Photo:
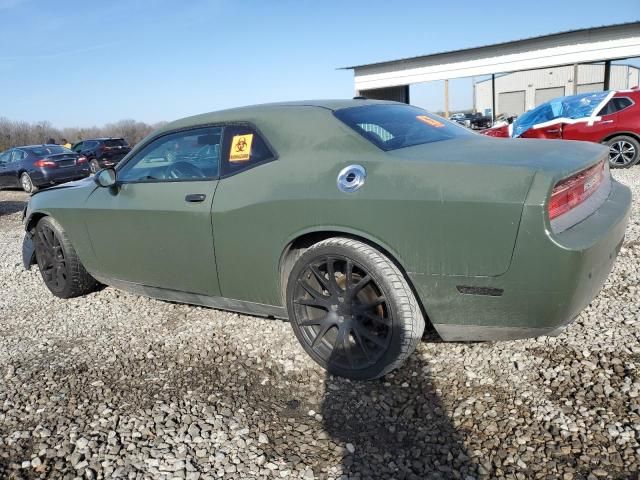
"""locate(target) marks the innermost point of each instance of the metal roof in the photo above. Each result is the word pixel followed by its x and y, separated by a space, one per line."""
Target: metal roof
pixel 499 44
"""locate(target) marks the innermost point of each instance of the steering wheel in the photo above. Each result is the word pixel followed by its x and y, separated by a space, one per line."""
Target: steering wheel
pixel 183 170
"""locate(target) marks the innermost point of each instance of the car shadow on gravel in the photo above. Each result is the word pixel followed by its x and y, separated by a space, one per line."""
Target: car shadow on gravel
pixel 10 207
pixel 395 427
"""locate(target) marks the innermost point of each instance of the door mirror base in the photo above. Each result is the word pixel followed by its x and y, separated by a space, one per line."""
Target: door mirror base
pixel 105 178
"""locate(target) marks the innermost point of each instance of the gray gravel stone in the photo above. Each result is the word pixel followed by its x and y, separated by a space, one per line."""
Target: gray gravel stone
pixel 114 385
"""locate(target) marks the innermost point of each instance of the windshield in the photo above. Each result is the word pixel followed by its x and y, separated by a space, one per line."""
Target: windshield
pixel 50 150
pixel 571 107
pixel 397 126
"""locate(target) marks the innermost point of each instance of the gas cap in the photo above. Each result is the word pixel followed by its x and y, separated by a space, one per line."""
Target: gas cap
pixel 351 178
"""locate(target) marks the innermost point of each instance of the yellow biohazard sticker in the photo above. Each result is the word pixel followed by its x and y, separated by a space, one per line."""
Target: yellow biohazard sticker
pixel 241 148
pixel 430 121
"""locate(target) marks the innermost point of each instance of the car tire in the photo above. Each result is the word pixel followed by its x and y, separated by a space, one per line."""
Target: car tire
pixel 624 151
pixel 94 166
pixel 59 265
pixel 352 309
pixel 27 183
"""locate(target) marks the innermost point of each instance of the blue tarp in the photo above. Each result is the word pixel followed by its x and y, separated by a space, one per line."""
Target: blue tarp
pixel 572 107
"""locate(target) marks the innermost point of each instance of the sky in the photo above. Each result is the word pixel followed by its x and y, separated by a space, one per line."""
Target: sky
pixel 83 63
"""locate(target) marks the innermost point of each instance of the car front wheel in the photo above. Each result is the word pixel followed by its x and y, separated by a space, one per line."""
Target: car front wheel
pixel 352 309
pixel 624 151
pixel 61 269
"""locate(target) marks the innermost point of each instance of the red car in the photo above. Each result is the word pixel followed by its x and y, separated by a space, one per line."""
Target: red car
pixel 612 118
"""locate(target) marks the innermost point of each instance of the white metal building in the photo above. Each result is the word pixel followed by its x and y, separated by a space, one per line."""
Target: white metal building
pixel 391 79
pixel 520 91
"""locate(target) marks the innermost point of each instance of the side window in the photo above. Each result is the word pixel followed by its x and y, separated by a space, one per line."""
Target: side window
pixel 5 157
pixel 615 105
pixel 188 155
pixel 77 147
pixel 17 156
pixel 243 148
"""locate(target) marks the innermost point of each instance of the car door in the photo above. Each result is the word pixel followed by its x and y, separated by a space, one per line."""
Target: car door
pixel 154 228
pixel 604 124
pixel 5 175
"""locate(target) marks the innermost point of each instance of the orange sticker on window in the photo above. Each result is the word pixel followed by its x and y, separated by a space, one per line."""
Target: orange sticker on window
pixel 430 121
pixel 241 148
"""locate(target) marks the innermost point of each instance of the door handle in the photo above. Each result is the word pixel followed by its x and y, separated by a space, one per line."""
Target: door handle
pixel 195 197
pixel 552 130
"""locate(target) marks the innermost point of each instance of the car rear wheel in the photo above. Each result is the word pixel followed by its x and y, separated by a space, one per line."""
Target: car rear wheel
pixel 624 151
pixel 352 309
pixel 27 184
pixel 61 269
pixel 94 166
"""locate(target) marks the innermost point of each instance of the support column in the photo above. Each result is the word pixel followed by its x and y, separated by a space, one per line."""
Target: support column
pixel 607 74
pixel 493 97
pixel 575 78
pixel 446 98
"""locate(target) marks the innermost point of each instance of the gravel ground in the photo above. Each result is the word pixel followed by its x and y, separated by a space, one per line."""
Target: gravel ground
pixel 114 385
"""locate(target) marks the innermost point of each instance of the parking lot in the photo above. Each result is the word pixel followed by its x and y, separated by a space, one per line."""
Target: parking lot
pixel 113 385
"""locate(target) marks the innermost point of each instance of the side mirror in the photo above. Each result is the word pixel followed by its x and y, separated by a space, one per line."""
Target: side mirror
pixel 106 177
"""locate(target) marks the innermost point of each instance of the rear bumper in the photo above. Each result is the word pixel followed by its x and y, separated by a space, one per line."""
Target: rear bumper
pixel 552 278
pixel 42 177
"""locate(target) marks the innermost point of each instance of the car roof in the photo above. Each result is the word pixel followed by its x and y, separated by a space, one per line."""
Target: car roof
pixel 99 139
pixel 269 109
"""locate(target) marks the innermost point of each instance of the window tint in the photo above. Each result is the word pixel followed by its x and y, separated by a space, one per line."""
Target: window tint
pixel 243 148
pixel 397 126
pixel 18 156
pixel 189 155
pixel 615 105
pixel 49 150
pixel 115 142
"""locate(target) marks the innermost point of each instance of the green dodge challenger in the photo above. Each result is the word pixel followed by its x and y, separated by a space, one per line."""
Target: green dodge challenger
pixel 358 220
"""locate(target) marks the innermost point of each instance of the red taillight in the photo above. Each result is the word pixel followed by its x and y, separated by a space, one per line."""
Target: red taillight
pixel 44 163
pixel 574 190
pixel 81 160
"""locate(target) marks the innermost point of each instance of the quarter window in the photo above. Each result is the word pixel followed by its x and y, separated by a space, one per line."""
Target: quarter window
pixel 243 148
pixel 188 155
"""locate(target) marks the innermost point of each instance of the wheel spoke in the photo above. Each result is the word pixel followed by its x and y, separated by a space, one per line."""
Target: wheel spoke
pixel 312 291
pixel 361 344
pixel 333 284
pixel 312 302
pixel 371 337
pixel 368 306
pixel 313 322
pixel 321 278
pixel 377 318
pixel 360 285
pixel 323 331
pixel 349 274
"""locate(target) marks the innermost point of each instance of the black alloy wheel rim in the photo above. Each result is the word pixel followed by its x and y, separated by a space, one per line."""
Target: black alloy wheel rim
pixel 342 313
pixel 621 153
pixel 51 259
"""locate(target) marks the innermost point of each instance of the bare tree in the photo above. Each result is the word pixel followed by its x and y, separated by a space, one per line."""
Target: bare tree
pixel 16 133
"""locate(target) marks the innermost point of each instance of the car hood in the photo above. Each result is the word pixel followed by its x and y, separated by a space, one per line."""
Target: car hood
pixel 87 182
pixel 556 157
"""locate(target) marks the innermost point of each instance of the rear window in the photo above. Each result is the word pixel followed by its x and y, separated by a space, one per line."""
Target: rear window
pixel 397 126
pixel 115 142
pixel 49 150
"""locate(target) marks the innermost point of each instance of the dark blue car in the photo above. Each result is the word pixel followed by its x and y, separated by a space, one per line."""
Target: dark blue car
pixel 35 166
